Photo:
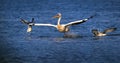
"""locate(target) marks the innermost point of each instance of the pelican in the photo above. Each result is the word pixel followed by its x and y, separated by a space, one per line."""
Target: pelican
pixel 60 27
pixel 104 33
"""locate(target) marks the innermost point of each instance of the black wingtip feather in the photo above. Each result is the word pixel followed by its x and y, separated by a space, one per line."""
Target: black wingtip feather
pixel 32 20
pixel 92 16
pixel 23 21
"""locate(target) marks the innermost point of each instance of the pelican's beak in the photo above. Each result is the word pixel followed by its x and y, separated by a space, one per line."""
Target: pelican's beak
pixel 57 16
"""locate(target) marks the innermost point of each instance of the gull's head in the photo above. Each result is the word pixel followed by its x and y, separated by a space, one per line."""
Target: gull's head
pixel 57 16
pixel 95 32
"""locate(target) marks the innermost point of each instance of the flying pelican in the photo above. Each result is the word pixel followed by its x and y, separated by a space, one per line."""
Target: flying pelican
pixel 60 27
pixel 104 33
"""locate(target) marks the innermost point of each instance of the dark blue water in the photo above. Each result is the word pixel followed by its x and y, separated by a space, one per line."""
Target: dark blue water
pixel 46 44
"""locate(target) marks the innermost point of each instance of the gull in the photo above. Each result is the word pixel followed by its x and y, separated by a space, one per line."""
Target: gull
pixel 60 27
pixel 104 33
pixel 30 24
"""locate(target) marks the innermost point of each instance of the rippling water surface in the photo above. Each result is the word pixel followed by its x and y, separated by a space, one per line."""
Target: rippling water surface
pixel 46 44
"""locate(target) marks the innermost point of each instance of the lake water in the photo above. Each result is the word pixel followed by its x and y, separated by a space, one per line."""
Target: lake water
pixel 46 44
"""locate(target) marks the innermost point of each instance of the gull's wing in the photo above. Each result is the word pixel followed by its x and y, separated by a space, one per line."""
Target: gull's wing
pixel 29 29
pixel 24 21
pixel 32 20
pixel 109 30
pixel 40 24
pixel 78 21
pixel 30 24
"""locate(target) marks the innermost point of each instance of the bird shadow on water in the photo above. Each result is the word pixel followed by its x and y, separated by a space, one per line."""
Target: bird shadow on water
pixel 71 35
pixel 68 37
pixel 97 38
pixel 65 37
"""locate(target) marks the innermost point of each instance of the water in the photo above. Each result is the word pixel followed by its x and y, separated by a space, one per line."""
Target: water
pixel 46 44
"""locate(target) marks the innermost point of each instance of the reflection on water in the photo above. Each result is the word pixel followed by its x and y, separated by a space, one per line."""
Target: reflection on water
pixel 71 35
pixel 60 39
pixel 97 38
pixel 63 38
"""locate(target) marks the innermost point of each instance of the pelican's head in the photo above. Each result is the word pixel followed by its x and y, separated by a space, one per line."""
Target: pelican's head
pixel 57 16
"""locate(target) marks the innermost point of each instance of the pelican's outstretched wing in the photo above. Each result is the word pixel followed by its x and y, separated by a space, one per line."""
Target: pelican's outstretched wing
pixel 78 21
pixel 40 24
pixel 109 30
